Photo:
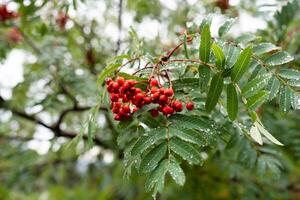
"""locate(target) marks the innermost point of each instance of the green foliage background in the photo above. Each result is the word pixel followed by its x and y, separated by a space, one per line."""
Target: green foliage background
pixel 63 83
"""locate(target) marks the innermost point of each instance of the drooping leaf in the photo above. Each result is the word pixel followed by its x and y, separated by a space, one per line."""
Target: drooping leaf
pixel 255 85
pixel 176 172
pixel 285 99
pixel 255 134
pixel 295 100
pixel 279 58
pixel 205 44
pixel 232 102
pixel 186 151
pixel 241 64
pixel 225 27
pixel 150 161
pixel 157 177
pixel 257 99
pixel 273 86
pixel 220 58
pixel 214 92
pixel 263 48
pixel 246 38
pixel 144 142
pixel 268 135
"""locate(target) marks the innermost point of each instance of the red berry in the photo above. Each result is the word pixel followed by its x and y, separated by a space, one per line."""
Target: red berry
pixel 153 82
pixel 162 90
pixel 153 90
pixel 131 82
pixel 117 104
pixel 115 86
pixel 167 110
pixel 117 117
pixel 147 100
pixel 169 92
pixel 138 90
pixel 163 99
pixel 114 97
pixel 126 109
pixel 120 81
pixel 155 96
pixel 190 105
pixel 135 109
pixel 108 81
pixel 115 110
pixel 139 96
pixel 177 105
pixel 154 113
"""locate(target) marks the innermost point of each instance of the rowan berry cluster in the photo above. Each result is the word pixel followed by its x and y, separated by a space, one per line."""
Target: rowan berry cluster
pixel 126 98
pixel 5 14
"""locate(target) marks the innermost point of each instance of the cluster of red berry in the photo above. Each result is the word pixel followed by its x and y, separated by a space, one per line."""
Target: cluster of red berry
pixel 5 14
pixel 127 99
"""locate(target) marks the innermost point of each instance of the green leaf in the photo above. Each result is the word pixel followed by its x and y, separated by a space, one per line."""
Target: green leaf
pixel 129 76
pixel 186 151
pixel 188 135
pixel 255 85
pixel 204 76
pixel 247 156
pixel 294 83
pixel 107 71
pixel 268 135
pixel 295 100
pixel 285 99
pixel 214 92
pixel 196 122
pixel 185 82
pixel 289 74
pixel 232 55
pixel 232 102
pixel 224 28
pixel 176 172
pixel 246 38
pixel 220 58
pixel 241 64
pixel 150 161
pixel 279 58
pixel 255 134
pixel 186 53
pixel 257 99
pixel 145 142
pixel 263 48
pixel 205 44
pixel 157 177
pixel 273 87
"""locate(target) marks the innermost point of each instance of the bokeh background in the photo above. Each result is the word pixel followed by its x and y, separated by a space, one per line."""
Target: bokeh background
pixel 50 56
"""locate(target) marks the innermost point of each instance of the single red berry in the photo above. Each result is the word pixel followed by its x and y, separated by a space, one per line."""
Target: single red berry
pixel 118 117
pixel 177 105
pixel 153 82
pixel 117 104
pixel 137 90
pixel 115 86
pixel 162 90
pixel 190 105
pixel 114 97
pixel 163 99
pixel 167 110
pixel 126 109
pixel 131 82
pixel 147 100
pixel 153 90
pixel 155 96
pixel 115 110
pixel 108 81
pixel 139 96
pixel 154 112
pixel 169 92
pixel 120 81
